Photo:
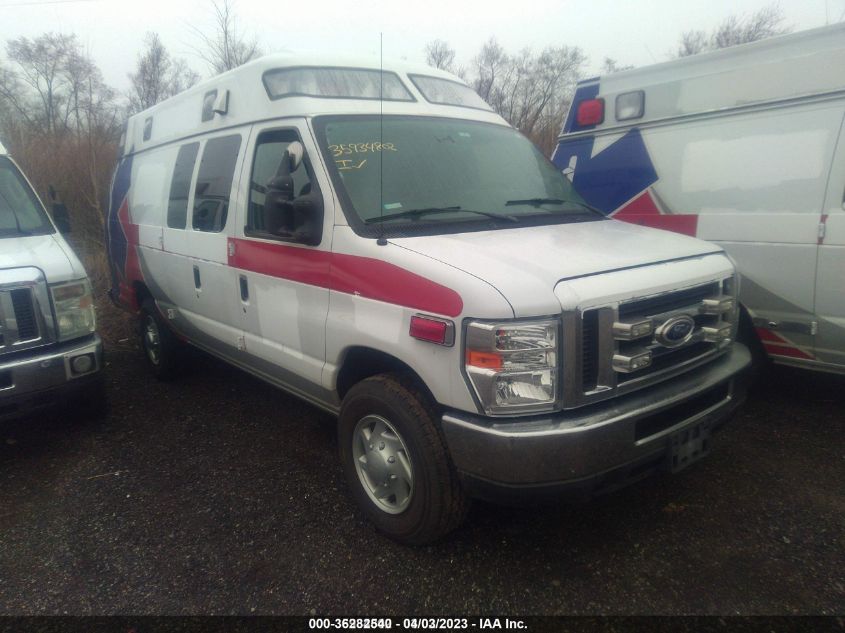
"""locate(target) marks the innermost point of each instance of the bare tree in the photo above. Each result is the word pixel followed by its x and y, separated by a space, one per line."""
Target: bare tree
pixel 226 48
pixel 487 66
pixel 440 55
pixel 530 91
pixel 61 121
pixel 37 90
pixel 767 22
pixel 692 43
pixel 157 76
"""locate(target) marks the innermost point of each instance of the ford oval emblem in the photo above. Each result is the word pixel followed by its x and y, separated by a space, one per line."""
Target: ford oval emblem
pixel 675 331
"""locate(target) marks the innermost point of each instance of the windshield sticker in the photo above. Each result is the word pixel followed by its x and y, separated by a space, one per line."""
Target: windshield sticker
pixel 393 205
pixel 346 164
pixel 361 148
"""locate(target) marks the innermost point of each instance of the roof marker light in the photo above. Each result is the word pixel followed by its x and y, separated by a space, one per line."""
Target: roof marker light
pixel 590 112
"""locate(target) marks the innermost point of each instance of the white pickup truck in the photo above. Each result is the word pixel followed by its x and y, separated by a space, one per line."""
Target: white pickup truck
pixel 49 351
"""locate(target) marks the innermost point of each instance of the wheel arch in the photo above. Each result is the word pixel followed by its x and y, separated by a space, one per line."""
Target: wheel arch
pixel 360 362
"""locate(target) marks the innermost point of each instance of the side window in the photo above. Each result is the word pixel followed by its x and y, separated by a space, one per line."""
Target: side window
pixel 267 164
pixel 214 183
pixel 180 186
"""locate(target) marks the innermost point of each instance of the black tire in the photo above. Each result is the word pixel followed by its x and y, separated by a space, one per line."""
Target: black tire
pixel 437 503
pixel 164 353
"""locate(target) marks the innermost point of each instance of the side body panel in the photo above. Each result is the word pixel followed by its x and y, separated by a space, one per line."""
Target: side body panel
pixel 752 181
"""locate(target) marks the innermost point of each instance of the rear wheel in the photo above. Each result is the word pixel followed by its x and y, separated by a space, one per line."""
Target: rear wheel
pixel 160 346
pixel 396 463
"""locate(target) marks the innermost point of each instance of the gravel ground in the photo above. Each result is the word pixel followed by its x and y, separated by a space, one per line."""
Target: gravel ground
pixel 217 494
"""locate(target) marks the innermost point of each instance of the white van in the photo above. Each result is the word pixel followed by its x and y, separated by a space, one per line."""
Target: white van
pixel 49 351
pixel 386 247
pixel 744 147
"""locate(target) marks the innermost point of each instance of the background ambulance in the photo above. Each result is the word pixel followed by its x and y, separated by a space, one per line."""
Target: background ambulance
pixel 744 147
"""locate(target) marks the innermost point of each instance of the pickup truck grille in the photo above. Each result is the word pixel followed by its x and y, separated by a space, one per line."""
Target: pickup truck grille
pixel 24 314
pixel 19 320
pixel 614 338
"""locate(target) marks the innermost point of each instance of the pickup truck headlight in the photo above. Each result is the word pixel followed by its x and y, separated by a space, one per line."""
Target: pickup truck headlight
pixel 74 305
pixel 512 365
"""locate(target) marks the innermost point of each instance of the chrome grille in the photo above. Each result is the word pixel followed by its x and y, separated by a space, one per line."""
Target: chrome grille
pixel 27 325
pixel 589 349
pixel 25 315
pixel 608 333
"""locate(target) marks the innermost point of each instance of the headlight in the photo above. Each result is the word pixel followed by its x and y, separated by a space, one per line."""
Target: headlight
pixel 512 365
pixel 74 307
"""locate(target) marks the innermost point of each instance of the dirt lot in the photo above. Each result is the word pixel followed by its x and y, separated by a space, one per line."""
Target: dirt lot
pixel 218 494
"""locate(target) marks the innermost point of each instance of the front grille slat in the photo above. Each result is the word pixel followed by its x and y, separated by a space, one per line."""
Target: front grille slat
pixel 668 302
pixel 27 325
pixel 589 349
pixel 598 346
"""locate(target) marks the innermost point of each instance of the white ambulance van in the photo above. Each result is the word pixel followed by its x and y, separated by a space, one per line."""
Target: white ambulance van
pixel 383 245
pixel 744 147
pixel 49 351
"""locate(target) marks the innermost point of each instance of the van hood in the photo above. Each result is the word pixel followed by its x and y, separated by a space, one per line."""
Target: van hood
pixel 524 264
pixel 49 253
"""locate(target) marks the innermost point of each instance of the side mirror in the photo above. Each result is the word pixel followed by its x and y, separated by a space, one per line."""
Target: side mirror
pixel 295 154
pixel 61 217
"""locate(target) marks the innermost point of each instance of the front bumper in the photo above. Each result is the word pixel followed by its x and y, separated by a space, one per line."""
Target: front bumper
pixel 37 378
pixel 594 449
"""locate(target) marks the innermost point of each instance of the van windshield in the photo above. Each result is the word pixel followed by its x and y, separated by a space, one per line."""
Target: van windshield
pixel 20 211
pixel 439 172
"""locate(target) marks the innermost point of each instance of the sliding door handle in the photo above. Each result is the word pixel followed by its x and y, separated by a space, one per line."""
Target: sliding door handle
pixel 244 289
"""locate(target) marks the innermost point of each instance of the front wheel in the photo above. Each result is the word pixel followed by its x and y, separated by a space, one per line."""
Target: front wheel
pixel 396 463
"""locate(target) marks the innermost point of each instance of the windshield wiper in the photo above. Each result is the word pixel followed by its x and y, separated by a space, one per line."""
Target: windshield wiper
pixel 536 202
pixel 415 213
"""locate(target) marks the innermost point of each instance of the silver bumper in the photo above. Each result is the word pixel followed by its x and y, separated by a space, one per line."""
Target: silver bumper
pixel 580 445
pixel 39 377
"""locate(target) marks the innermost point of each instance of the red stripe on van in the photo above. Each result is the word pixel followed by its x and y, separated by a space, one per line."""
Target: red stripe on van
pixel 781 350
pixel 132 265
pixel 350 274
pixel 643 210
pixel 768 335
pixel 685 224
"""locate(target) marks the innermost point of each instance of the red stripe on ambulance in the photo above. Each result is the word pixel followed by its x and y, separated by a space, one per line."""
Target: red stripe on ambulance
pixel 350 274
pixel 643 210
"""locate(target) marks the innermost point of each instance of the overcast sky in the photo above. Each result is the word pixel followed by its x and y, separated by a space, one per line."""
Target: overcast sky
pixel 638 33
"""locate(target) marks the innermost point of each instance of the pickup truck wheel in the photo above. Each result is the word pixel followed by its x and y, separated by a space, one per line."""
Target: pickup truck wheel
pixel 160 346
pixel 396 463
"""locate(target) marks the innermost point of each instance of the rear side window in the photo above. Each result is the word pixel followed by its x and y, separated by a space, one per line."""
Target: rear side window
pixel 446 92
pixel 180 186
pixel 214 183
